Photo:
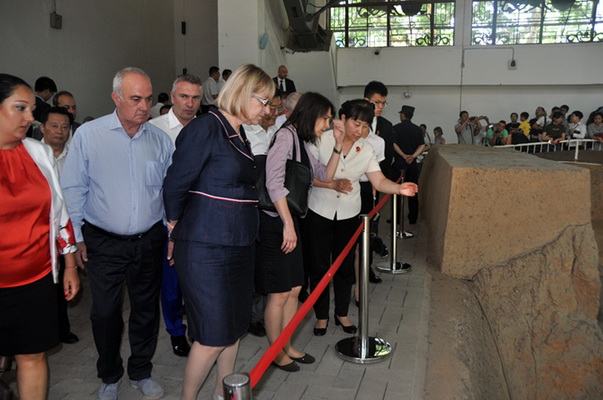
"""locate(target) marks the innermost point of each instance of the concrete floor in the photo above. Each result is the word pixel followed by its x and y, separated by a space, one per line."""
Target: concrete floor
pixel 398 313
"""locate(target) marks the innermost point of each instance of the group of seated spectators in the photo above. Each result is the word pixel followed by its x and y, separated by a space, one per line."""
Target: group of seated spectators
pixel 552 128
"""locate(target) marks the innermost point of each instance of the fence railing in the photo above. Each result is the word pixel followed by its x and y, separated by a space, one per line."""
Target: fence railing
pixel 578 146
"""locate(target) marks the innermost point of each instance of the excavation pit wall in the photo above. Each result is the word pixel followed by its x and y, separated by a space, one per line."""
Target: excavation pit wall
pixel 514 277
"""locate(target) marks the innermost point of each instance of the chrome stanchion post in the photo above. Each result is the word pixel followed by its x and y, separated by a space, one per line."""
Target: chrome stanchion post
pixel 237 387
pixel 392 266
pixel 402 233
pixel 364 349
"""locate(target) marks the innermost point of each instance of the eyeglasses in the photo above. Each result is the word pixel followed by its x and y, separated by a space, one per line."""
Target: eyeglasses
pixel 265 102
pixel 380 103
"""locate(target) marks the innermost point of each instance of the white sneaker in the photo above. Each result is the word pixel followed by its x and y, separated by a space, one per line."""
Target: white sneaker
pixel 108 391
pixel 149 388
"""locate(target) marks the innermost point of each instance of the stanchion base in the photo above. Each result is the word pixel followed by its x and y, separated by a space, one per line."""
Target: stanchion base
pixel 349 350
pixel 405 235
pixel 398 268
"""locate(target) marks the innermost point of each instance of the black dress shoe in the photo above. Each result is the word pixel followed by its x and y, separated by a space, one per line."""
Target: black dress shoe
pixel 180 346
pixel 69 338
pixel 347 329
pixel 291 367
pixel 306 359
pixel 257 329
pixel 373 278
pixel 321 331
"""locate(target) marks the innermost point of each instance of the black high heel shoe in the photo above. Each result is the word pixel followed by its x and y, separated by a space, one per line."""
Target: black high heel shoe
pixel 347 329
pixel 322 331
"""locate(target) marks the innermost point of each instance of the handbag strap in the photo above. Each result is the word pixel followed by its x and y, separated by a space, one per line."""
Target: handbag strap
pixel 304 159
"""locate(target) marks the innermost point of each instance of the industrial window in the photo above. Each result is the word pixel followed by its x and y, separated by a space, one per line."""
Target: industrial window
pixel 536 22
pixel 357 23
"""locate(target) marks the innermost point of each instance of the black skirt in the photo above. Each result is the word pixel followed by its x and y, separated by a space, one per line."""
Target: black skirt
pixel 275 271
pixel 29 323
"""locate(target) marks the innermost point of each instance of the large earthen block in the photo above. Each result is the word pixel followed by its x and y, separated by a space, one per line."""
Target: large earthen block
pixel 485 206
pixel 541 308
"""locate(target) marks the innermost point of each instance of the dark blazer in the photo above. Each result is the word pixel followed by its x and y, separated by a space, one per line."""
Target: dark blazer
pixel 386 131
pixel 210 186
pixel 41 106
pixel 288 82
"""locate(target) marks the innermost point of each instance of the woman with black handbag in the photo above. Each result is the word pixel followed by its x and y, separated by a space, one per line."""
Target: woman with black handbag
pixel 279 263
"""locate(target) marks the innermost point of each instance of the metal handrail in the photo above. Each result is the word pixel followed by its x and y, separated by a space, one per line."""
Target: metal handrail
pixel 577 145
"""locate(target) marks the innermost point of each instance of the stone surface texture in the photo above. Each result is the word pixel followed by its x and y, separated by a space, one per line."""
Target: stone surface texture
pixel 484 205
pixel 522 318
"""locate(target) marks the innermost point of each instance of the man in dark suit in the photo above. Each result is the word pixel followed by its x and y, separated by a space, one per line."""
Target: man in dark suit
pixel 283 84
pixel 376 93
pixel 44 88
pixel 408 146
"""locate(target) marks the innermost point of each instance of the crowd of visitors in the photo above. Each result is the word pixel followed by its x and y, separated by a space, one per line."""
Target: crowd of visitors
pixel 169 207
pixel 552 128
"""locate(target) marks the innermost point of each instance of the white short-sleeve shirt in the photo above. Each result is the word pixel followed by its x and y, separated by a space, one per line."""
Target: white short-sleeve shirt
pixel 359 160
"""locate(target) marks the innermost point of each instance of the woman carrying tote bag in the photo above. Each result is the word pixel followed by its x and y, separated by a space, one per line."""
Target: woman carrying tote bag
pixel 279 263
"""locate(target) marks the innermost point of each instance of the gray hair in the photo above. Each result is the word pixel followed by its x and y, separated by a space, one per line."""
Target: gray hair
pixel 193 79
pixel 119 77
pixel 292 99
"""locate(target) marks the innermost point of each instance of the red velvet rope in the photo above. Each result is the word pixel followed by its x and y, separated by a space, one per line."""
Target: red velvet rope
pixel 258 371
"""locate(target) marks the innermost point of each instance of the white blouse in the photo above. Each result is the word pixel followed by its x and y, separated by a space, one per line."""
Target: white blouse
pixel 360 159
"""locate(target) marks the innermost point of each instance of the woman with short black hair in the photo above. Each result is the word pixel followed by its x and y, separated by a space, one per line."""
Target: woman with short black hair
pixel 333 215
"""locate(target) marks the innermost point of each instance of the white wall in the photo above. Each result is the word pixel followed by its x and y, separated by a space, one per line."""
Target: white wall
pixel 196 51
pixel 238 32
pixel 98 38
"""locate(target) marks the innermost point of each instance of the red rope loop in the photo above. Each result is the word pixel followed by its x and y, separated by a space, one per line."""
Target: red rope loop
pixel 258 371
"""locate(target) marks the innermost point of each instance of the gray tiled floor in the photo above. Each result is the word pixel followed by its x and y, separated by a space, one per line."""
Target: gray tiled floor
pixel 397 311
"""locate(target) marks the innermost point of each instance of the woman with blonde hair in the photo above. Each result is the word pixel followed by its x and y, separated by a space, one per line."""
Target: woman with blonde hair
pixel 211 206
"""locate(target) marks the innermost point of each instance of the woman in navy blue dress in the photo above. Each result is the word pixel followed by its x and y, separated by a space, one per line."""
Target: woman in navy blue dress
pixel 211 205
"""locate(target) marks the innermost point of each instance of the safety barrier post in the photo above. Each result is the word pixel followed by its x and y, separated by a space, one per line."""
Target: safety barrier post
pixel 393 266
pixel 403 234
pixel 237 387
pixel 364 349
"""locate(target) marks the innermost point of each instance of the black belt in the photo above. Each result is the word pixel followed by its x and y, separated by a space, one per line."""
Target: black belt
pixel 128 238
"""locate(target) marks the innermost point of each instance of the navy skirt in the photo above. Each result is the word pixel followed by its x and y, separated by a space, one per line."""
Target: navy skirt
pixel 217 285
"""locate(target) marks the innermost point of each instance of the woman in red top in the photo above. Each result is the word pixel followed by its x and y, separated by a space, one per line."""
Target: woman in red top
pixel 35 228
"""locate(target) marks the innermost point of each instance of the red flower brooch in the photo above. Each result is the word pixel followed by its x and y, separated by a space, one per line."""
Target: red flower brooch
pixel 357 149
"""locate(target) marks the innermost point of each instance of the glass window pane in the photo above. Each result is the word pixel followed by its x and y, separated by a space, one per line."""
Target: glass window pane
pixel 535 21
pixel 395 24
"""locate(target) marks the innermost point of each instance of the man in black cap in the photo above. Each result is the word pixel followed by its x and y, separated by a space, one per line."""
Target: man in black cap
pixel 409 144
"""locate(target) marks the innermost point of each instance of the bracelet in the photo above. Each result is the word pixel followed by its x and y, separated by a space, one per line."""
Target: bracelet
pixel 336 151
pixel 72 267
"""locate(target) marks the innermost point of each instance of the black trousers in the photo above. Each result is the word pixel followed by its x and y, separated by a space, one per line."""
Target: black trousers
pixel 367 204
pixel 113 261
pixel 323 241
pixel 64 325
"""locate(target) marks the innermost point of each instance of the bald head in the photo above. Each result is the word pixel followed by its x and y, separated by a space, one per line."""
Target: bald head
pixel 282 72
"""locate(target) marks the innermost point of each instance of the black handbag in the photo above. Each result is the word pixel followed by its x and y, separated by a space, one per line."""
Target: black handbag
pixel 298 179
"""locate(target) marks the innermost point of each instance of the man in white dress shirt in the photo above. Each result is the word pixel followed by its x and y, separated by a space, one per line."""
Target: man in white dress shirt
pixel 289 105
pixel 186 99
pixel 260 135
pixel 285 85
pixel 210 89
